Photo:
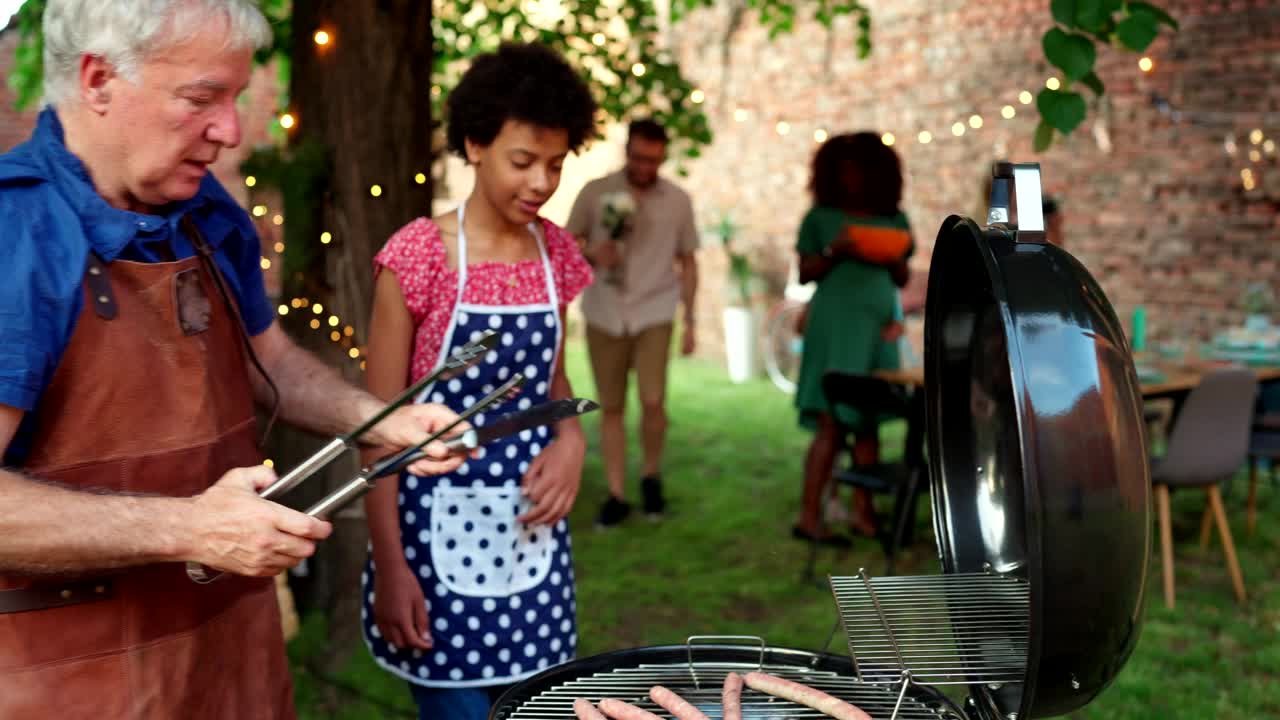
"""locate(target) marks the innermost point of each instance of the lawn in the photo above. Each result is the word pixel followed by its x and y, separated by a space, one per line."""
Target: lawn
pixel 724 563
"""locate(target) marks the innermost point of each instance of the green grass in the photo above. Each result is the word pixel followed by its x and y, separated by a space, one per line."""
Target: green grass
pixel 724 563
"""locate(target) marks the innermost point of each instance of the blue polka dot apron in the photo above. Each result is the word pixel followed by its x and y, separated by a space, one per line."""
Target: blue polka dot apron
pixel 499 593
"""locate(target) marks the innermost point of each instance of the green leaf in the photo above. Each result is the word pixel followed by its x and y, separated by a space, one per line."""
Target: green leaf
pixel 1094 83
pixel 1160 15
pixel 1064 11
pixel 1090 14
pixel 1062 109
pixel 1073 53
pixel 1044 137
pixel 1138 30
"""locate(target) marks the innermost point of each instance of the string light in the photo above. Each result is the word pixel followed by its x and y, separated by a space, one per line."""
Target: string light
pixel 638 69
pixel 259 210
pixel 598 39
pixel 326 238
pixel 1052 83
pixel 740 115
pixel 782 127
pixel 1269 146
pixel 819 135
pixel 975 121
pixel 287 121
pixel 888 139
pixel 322 38
pixel 1007 112
pixel 1024 97
pixel 278 219
pixel 925 137
pixel 957 129
pixel 420 178
pixel 265 263
pixel 333 321
pixel 283 310
pixel 279 247
pixel 1246 176
pixel 269 463
pixel 697 96
pixel 296 303
pixel 315 324
pixel 348 331
pixel 354 353
pixel 317 308
pixel 335 336
pixel 376 191
pixel 1256 136
pixel 250 181
pixel 1255 156
pixel 1146 65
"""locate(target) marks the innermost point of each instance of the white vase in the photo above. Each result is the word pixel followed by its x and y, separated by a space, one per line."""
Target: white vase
pixel 741 343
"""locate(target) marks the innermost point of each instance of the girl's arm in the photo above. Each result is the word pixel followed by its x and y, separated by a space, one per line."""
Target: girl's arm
pixel 387 374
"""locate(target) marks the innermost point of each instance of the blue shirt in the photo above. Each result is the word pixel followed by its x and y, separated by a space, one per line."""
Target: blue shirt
pixel 52 218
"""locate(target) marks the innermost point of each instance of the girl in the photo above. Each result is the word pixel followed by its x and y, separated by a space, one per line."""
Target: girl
pixel 854 243
pixel 470 584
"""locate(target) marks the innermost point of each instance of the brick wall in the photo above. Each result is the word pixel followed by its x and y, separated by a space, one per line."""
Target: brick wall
pixel 1161 219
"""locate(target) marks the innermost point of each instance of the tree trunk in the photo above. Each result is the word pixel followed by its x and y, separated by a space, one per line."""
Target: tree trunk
pixel 366 96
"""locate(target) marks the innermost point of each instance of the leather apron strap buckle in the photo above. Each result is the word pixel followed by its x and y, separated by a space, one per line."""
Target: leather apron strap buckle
pixel 43 597
pixel 104 299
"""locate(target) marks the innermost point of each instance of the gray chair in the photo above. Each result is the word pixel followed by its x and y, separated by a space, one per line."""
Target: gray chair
pixel 1208 444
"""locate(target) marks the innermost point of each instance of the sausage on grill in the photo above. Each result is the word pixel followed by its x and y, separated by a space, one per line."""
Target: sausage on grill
pixel 619 710
pixel 731 696
pixel 586 711
pixel 804 695
pixel 674 704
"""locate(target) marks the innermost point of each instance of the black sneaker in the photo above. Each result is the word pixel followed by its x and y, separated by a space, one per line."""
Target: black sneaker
pixel 651 490
pixel 613 512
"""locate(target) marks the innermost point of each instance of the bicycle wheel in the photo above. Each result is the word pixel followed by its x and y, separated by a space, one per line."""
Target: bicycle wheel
pixel 783 346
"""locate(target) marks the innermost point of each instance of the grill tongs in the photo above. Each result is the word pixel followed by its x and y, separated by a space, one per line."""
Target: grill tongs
pixel 458 361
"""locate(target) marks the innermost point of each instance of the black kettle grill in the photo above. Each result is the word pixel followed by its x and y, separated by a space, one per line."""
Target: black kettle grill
pixel 1041 508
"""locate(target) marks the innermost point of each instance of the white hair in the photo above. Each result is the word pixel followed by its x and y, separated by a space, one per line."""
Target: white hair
pixel 126 33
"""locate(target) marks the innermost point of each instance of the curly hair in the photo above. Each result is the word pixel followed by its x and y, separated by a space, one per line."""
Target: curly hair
pixel 874 164
pixel 527 82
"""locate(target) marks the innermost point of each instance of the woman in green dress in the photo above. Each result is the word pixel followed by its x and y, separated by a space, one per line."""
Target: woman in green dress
pixel 854 243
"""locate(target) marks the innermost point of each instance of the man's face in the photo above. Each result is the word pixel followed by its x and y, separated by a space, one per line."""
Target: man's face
pixel 644 157
pixel 170 126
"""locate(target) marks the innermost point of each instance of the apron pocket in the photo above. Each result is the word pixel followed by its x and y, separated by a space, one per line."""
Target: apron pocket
pixel 478 547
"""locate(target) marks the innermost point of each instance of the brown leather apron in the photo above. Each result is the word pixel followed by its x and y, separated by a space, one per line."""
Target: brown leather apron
pixel 152 396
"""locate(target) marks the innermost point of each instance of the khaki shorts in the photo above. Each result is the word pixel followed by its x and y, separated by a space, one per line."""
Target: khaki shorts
pixel 613 357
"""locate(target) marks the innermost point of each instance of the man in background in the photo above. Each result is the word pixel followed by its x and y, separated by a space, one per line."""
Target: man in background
pixel 639 231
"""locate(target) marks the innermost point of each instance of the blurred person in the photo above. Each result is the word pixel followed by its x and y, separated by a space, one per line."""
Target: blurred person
pixel 854 243
pixel 645 248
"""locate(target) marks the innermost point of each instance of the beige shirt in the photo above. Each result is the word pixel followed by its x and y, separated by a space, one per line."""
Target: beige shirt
pixel 662 229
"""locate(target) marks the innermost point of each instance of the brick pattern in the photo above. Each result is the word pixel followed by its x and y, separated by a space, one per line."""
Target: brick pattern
pixel 1161 219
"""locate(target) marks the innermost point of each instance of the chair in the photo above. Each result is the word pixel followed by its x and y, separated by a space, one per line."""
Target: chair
pixel 1208 444
pixel 873 397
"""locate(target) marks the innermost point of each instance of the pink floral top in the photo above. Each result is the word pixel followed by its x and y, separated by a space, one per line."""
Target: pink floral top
pixel 416 254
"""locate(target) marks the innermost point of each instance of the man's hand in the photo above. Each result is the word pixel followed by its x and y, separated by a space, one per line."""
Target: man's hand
pixel 411 425
pixel 689 340
pixel 605 254
pixel 554 477
pixel 234 530
pixel 399 607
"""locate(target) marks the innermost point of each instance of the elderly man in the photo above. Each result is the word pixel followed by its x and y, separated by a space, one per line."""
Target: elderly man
pixel 130 300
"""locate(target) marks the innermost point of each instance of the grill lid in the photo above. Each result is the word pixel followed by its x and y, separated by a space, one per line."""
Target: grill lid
pixel 1039 460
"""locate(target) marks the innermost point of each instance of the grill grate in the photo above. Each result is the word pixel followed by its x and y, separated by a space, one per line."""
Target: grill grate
pixel 700 683
pixel 961 629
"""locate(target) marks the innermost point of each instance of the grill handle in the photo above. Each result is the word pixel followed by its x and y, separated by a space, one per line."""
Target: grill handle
pixel 721 639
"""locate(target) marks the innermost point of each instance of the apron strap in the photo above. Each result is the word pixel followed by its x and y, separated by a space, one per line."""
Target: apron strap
pixel 104 299
pixel 205 253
